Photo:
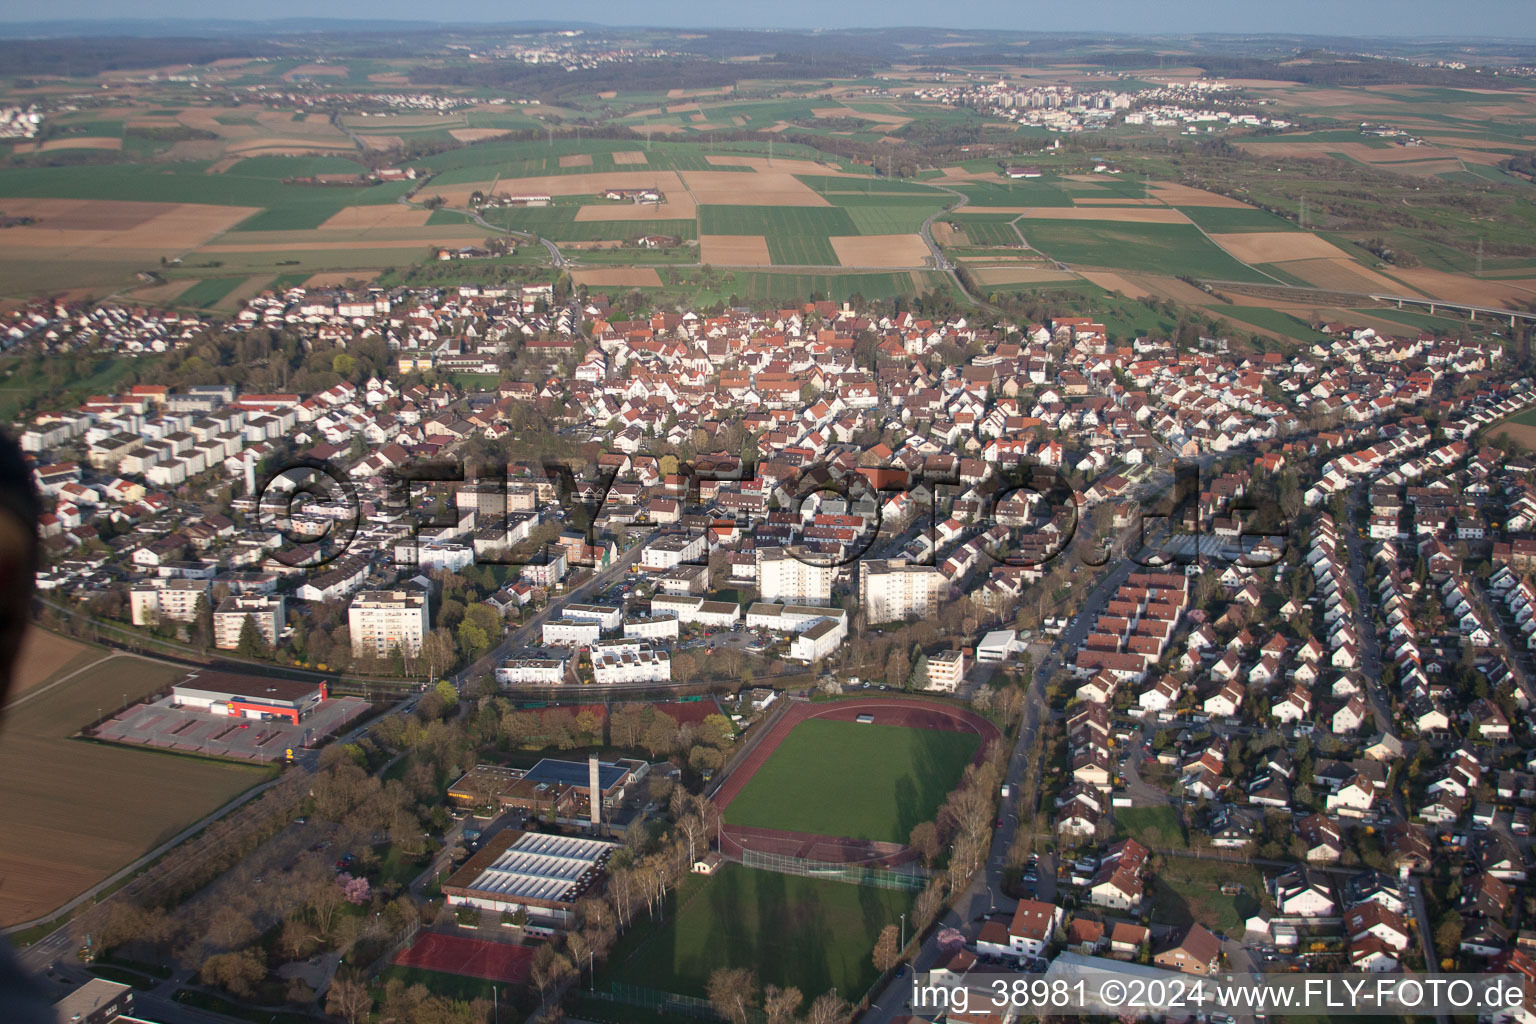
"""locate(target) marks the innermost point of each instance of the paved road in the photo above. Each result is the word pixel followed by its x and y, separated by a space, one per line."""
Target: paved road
pixel 985 894
pixel 1365 624
pixel 529 633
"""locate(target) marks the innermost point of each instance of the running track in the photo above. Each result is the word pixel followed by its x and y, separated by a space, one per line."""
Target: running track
pixel 910 713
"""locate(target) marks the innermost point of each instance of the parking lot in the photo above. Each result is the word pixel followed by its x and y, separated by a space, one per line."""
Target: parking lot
pixel 171 728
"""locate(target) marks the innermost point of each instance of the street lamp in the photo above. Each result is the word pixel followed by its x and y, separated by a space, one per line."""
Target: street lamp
pixel 903 931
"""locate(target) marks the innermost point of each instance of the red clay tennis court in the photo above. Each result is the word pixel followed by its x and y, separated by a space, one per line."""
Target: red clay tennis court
pixel 477 958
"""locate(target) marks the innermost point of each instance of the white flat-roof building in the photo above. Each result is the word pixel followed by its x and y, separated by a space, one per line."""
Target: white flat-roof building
pixel 818 640
pixel 998 645
pixel 571 632
pixel 531 672
pixel 608 617
pixel 791 618
pixel 690 609
pixel 673 549
pixel 629 661
pixel 658 627
pixel 946 670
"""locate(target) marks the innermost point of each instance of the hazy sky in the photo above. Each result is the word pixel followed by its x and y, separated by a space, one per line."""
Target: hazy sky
pixel 1485 18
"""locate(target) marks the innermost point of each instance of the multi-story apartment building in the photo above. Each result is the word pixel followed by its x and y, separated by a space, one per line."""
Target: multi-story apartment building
pixel 267 612
pixel 892 589
pixel 382 620
pixel 784 579
pixel 945 670
pixel 174 599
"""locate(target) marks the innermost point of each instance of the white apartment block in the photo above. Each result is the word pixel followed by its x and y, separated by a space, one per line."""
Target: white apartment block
pixel 891 590
pixel 531 672
pixel 660 627
pixel 818 641
pixel 571 632
pixel 629 661
pixel 946 669
pixel 174 599
pixel 696 610
pixel 382 620
pixel 607 617
pixel 229 619
pixel 783 578
pixel 792 618
pixel 673 549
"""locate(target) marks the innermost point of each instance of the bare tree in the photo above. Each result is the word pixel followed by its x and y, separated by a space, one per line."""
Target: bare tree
pixel 550 970
pixel 780 1005
pixel 348 998
pixel 693 831
pixel 828 1009
pixel 733 993
pixel 887 954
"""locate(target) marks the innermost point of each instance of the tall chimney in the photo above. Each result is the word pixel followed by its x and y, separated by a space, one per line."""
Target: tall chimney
pixel 594 793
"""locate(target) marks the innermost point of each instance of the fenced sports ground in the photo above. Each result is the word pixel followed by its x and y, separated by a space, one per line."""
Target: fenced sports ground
pixel 844 782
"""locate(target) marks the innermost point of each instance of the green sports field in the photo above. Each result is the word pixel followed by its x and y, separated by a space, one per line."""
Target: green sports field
pixel 788 929
pixel 871 782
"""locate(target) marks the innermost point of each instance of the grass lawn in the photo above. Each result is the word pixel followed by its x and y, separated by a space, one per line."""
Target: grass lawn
pixel 1524 419
pixel 21 380
pixel 441 983
pixel 1152 826
pixel 1172 248
pixel 1187 890
pixel 790 930
pixel 218 1004
pixel 862 781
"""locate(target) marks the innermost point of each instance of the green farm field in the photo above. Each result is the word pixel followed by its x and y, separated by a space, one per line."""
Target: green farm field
pixel 789 930
pixel 984 230
pixel 208 291
pixel 775 220
pixel 1027 192
pixel 870 782
pixel 1172 248
pixel 1220 219
pixel 1270 320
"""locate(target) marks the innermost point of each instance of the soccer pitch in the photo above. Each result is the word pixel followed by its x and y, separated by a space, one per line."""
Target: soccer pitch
pixel 859 781
pixel 789 930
